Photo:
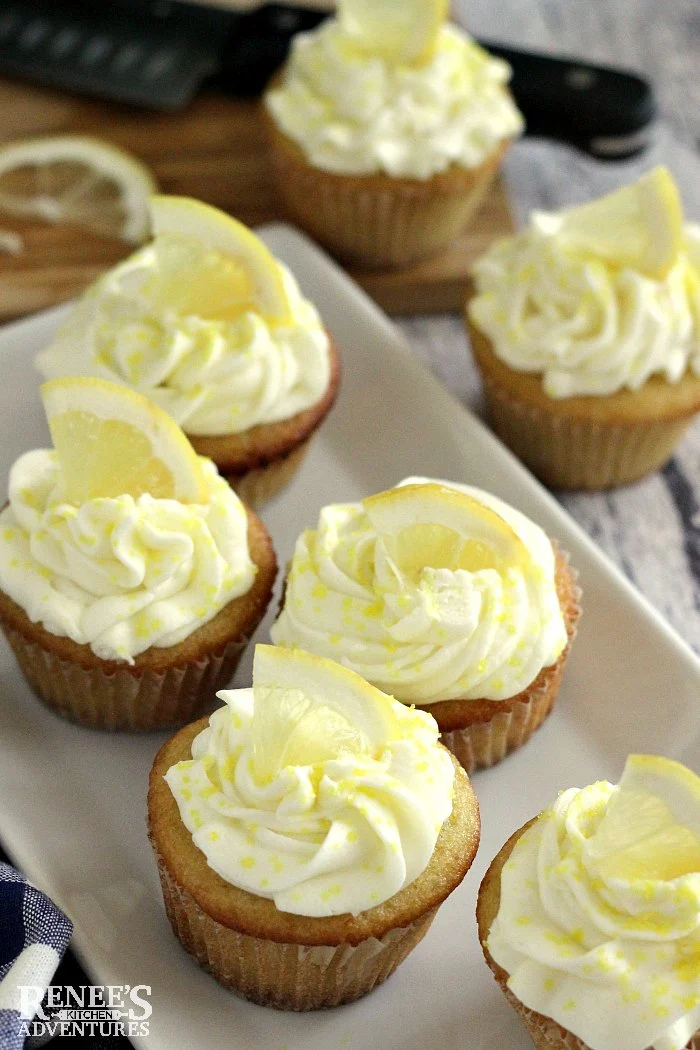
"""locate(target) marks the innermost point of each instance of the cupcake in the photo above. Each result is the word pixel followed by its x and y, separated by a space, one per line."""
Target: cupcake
pixel 131 575
pixel 208 324
pixel 585 328
pixel 445 597
pixel 307 833
pixel 589 917
pixel 386 127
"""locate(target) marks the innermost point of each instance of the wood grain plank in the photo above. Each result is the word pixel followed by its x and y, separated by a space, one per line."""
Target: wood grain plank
pixel 215 151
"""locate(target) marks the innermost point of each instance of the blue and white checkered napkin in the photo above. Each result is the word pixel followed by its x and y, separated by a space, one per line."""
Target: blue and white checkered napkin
pixel 34 934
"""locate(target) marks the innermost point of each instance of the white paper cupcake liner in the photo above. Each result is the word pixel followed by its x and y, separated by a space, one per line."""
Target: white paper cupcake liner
pixel 581 453
pixel 258 486
pixel 125 699
pixel 282 975
pixel 483 744
pixel 378 221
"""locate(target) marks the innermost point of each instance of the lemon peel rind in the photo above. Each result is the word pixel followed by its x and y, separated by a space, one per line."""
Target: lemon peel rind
pixel 108 401
pixel 278 673
pixel 135 190
pixel 448 507
pixel 187 217
pixel 410 42
pixel 649 212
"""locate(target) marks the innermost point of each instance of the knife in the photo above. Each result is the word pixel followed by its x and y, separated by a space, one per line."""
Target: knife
pixel 158 54
pixel 606 112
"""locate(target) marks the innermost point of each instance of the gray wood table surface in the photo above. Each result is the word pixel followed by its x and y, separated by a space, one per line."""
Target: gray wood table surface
pixel 650 529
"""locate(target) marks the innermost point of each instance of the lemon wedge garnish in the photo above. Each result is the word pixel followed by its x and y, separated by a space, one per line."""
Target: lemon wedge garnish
pixel 651 827
pixel 308 709
pixel 438 527
pixel 75 178
pixel 399 31
pixel 639 226
pixel 211 265
pixel 114 442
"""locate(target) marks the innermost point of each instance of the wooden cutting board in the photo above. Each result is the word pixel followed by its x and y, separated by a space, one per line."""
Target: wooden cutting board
pixel 215 151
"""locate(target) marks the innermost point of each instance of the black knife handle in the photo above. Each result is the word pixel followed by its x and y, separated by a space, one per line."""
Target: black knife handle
pixel 606 112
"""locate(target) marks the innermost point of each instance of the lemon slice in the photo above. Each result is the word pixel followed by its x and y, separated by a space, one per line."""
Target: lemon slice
pixel 240 273
pixel 112 442
pixel 639 226
pixel 308 709
pixel 74 178
pixel 651 828
pixel 441 528
pixel 401 31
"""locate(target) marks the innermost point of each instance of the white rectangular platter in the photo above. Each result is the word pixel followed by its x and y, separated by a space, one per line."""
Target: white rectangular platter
pixel 72 801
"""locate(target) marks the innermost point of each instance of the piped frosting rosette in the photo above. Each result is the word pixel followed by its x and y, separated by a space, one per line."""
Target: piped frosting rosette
pixel 313 789
pixel 355 113
pixel 432 591
pixel 599 919
pixel 214 374
pixel 586 324
pixel 120 574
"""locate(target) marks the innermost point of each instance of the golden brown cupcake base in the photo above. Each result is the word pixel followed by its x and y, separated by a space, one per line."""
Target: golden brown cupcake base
pixel 545 1033
pixel 164 686
pixel 585 442
pixel 295 962
pixel 258 462
pixel 482 732
pixel 378 220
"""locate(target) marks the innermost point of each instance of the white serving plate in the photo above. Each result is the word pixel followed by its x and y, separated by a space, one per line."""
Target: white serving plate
pixel 72 801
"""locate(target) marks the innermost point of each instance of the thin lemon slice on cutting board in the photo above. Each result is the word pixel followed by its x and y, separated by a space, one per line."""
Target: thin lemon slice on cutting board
pixel 75 178
pixel 651 828
pixel 212 265
pixel 308 709
pixel 639 226
pixel 401 31
pixel 113 442
pixel 433 526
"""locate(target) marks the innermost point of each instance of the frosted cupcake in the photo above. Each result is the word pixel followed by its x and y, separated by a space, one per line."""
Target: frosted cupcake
pixel 208 324
pixel 307 833
pixel 386 127
pixel 131 575
pixel 589 916
pixel 445 597
pixel 586 330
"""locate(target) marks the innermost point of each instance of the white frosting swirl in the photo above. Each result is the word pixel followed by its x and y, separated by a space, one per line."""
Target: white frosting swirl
pixel 615 961
pixel 124 574
pixel 339 836
pixel 448 635
pixel 213 376
pixel 587 326
pixel 356 115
